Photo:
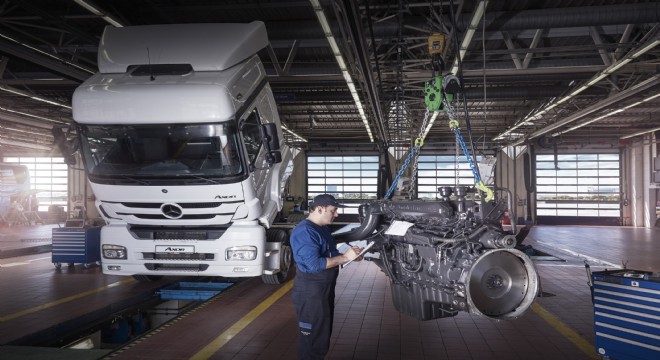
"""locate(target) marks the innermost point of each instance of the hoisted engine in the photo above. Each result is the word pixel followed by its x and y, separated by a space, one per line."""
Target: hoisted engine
pixel 446 256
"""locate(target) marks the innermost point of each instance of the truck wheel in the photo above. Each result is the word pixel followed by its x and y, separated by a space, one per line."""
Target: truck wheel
pixel 147 278
pixel 286 257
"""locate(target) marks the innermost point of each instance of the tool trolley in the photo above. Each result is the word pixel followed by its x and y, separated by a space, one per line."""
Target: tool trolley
pixel 75 243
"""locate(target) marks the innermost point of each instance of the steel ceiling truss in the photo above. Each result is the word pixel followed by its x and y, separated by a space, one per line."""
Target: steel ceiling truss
pixel 519 61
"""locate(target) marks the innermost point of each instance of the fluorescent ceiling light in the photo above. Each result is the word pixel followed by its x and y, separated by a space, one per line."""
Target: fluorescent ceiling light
pixel 22 93
pixel 292 133
pixel 46 53
pixel 318 10
pixel 24 145
pixel 575 92
pixel 603 74
pixel 640 133
pixel 467 39
pixel 33 116
pixel 428 127
pixel 616 66
pixel 607 115
pixel 94 10
pixel 646 48
pixel 597 79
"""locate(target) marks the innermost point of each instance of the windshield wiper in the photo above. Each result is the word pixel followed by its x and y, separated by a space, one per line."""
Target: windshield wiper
pixel 141 182
pixel 208 180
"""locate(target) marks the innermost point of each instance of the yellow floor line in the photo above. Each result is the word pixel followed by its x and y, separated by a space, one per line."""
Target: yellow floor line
pixel 241 324
pixel 565 330
pixel 64 300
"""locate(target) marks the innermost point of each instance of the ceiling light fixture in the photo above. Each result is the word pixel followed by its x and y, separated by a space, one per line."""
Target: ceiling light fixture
pixel 469 34
pixel 640 133
pixel 28 95
pixel 598 77
pixel 46 53
pixel 24 144
pixel 33 116
pixel 94 10
pixel 607 115
pixel 318 10
pixel 428 127
pixel 292 133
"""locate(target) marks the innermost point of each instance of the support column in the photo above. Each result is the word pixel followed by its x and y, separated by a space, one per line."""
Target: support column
pixel 636 191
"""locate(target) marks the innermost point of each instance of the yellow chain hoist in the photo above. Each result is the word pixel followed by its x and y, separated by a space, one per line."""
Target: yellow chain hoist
pixel 436 44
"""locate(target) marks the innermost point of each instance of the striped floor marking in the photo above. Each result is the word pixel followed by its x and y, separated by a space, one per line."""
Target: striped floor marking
pixel 570 334
pixel 241 324
pixel 65 300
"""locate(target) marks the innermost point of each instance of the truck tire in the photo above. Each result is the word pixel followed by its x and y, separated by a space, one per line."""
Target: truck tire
pixel 286 257
pixel 147 278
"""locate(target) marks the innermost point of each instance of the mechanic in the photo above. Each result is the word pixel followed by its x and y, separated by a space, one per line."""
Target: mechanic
pixel 318 260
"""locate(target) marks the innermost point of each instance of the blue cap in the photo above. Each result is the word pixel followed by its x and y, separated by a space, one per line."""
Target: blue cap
pixel 325 200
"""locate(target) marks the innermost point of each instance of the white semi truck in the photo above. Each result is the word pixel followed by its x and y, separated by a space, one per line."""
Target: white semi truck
pixel 183 148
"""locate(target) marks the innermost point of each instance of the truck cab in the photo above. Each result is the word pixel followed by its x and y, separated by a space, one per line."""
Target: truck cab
pixel 183 148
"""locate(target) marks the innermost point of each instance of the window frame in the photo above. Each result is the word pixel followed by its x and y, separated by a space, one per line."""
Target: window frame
pixel 48 174
pixel 355 178
pixel 585 185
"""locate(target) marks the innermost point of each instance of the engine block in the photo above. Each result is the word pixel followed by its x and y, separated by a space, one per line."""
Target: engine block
pixel 446 256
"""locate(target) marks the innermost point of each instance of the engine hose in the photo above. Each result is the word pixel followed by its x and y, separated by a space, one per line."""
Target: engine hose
pixel 475 234
pixel 365 229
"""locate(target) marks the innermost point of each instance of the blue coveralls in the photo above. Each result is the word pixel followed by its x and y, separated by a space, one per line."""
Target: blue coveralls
pixel 314 288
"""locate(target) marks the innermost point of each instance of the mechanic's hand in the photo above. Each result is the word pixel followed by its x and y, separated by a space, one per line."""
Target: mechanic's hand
pixel 357 251
pixel 351 253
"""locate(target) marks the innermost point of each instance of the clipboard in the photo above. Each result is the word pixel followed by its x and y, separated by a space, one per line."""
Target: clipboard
pixel 364 250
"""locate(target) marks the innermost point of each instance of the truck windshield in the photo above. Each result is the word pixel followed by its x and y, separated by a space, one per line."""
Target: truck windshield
pixel 206 152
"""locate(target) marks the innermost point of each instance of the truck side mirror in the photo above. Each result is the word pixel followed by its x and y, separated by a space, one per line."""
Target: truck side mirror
pixel 66 147
pixel 271 143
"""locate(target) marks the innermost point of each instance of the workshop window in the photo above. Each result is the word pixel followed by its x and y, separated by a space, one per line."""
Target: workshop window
pixel 351 179
pixel 48 180
pixel 580 185
pixel 442 170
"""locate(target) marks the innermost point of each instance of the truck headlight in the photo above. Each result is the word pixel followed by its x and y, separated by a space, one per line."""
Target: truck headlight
pixel 241 253
pixel 114 252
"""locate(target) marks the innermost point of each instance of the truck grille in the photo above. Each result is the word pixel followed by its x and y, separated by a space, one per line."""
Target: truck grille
pixel 158 256
pixel 178 233
pixel 202 205
pixel 184 217
pixel 176 267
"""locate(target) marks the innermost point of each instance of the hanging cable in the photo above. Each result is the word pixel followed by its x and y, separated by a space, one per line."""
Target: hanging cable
pixel 483 52
pixel 460 78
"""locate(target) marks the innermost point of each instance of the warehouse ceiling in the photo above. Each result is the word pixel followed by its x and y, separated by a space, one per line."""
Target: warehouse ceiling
pixel 561 71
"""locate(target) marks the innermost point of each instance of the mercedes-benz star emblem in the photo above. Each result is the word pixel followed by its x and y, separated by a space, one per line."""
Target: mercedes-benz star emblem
pixel 172 211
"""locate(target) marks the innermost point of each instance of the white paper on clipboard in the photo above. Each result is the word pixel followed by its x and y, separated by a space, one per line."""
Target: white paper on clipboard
pixel 398 228
pixel 364 250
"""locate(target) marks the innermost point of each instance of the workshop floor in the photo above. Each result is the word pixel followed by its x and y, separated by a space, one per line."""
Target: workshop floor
pixel 257 321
